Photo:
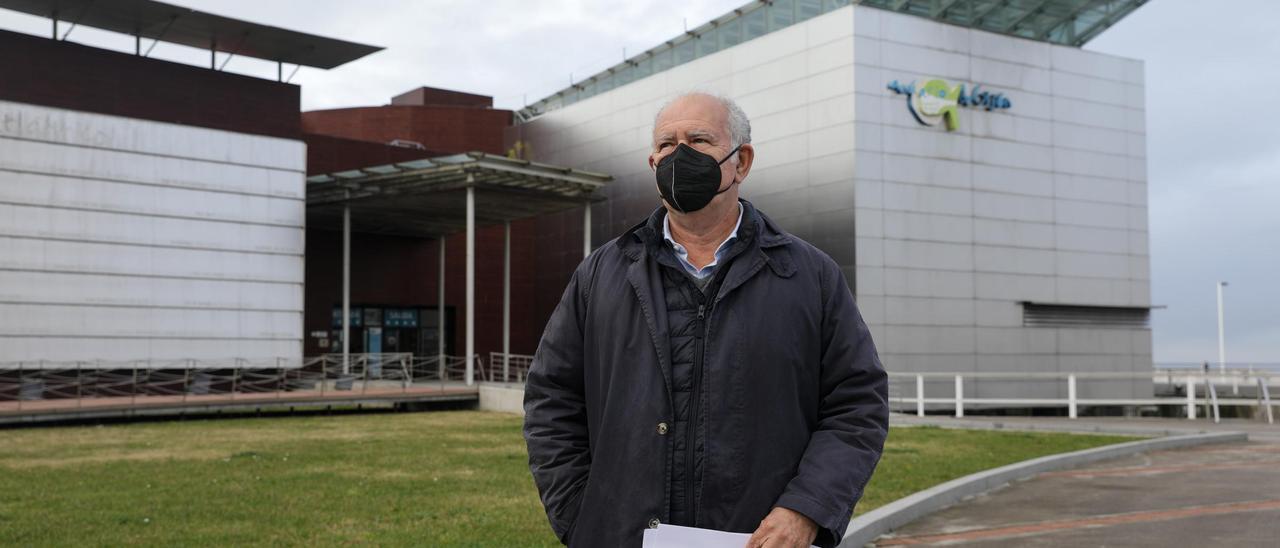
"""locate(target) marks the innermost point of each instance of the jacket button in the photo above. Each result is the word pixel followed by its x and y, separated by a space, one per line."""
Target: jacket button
pixel 653 523
pixel 662 429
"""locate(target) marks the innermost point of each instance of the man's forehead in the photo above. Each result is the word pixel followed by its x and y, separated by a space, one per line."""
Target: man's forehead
pixel 694 111
pixel 694 108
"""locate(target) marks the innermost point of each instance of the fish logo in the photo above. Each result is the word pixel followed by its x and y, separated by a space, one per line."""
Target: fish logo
pixel 935 101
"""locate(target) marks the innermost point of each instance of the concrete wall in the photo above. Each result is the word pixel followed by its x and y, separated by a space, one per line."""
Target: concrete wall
pixel 941 233
pixel 128 239
pixel 504 398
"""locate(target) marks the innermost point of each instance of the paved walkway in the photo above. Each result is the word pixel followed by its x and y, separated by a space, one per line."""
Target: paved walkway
pixel 1215 495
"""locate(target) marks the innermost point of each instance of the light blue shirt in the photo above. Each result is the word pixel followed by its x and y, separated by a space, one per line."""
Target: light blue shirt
pixel 683 254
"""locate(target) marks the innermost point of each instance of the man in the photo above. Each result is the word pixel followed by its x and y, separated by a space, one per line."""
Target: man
pixel 705 368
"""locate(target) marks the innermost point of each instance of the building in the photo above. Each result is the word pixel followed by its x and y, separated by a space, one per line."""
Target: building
pixel 157 215
pixel 150 211
pixel 980 178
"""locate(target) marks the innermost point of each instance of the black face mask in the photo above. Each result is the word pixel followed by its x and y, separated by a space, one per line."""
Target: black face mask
pixel 697 180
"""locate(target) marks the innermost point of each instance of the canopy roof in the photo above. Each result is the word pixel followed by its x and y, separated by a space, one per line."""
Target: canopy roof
pixel 1066 22
pixel 198 29
pixel 428 197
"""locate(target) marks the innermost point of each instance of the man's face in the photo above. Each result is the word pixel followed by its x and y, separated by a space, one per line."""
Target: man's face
pixel 701 123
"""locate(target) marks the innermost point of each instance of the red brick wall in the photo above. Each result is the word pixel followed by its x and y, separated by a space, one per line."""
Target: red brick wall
pixel 66 75
pixel 442 97
pixel 446 129
pixel 327 154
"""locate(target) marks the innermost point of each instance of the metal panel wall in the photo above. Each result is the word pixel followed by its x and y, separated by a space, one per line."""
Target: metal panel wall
pixel 1044 201
pixel 133 240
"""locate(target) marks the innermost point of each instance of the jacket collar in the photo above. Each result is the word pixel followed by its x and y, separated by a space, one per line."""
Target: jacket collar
pixel 768 238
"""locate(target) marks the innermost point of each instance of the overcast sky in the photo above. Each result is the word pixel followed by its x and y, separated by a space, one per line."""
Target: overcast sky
pixel 1212 140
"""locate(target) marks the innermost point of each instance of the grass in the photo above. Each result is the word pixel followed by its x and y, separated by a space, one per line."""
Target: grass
pixel 442 478
pixel 920 457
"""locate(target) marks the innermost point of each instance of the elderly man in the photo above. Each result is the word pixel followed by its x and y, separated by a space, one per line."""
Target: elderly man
pixel 706 368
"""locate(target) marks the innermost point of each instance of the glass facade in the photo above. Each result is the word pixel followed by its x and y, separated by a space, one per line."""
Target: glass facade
pixel 730 30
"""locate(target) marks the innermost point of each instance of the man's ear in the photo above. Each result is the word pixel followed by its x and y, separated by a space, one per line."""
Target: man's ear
pixel 746 155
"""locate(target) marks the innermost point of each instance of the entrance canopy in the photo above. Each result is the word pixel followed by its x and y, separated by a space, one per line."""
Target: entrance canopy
pixel 435 197
pixel 427 198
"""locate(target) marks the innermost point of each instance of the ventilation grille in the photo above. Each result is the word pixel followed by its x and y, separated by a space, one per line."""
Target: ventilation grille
pixel 1065 315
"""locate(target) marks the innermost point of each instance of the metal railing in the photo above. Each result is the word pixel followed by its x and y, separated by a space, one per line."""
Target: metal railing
pixel 1175 380
pixel 178 381
pixel 506 367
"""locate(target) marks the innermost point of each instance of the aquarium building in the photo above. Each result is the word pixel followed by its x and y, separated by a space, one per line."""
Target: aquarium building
pixel 979 176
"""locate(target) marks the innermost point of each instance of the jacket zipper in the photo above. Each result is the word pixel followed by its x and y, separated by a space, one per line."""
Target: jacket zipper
pixel 695 403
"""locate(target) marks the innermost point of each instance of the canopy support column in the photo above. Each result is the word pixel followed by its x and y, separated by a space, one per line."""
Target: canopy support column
pixel 440 316
pixel 471 280
pixel 346 287
pixel 506 304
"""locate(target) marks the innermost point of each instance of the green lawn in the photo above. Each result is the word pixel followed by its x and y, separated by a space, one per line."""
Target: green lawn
pixel 442 478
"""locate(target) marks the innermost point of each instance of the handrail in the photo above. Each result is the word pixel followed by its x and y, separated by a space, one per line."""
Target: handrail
pixel 511 365
pixel 97 379
pixel 95 382
pixel 1187 378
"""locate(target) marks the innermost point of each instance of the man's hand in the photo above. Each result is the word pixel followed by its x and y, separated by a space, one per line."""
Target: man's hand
pixel 784 528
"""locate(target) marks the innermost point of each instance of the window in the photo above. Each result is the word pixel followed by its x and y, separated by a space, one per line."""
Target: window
pixel 754 24
pixel 731 32
pixel 781 14
pixel 662 60
pixel 684 52
pixel 624 75
pixel 644 68
pixel 806 9
pixel 709 42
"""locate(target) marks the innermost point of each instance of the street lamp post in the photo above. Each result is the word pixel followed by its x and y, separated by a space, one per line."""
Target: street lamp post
pixel 1222 345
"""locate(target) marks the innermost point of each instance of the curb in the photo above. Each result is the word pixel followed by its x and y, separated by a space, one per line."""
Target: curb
pixel 869 526
pixel 897 420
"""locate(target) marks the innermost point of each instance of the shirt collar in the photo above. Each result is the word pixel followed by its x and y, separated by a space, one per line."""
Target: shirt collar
pixel 666 232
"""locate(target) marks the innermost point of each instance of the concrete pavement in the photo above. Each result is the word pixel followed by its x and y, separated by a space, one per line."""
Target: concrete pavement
pixel 1221 495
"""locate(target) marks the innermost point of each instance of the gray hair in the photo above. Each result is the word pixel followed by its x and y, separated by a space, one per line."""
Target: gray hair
pixel 739 126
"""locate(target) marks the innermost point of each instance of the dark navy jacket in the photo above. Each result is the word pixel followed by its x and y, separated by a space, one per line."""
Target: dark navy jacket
pixel 792 406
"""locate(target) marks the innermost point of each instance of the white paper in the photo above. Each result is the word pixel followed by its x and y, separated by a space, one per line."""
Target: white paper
pixel 675 536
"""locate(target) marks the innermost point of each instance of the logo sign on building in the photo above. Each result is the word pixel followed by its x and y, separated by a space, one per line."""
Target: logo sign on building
pixel 400 317
pixel 356 315
pixel 936 101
